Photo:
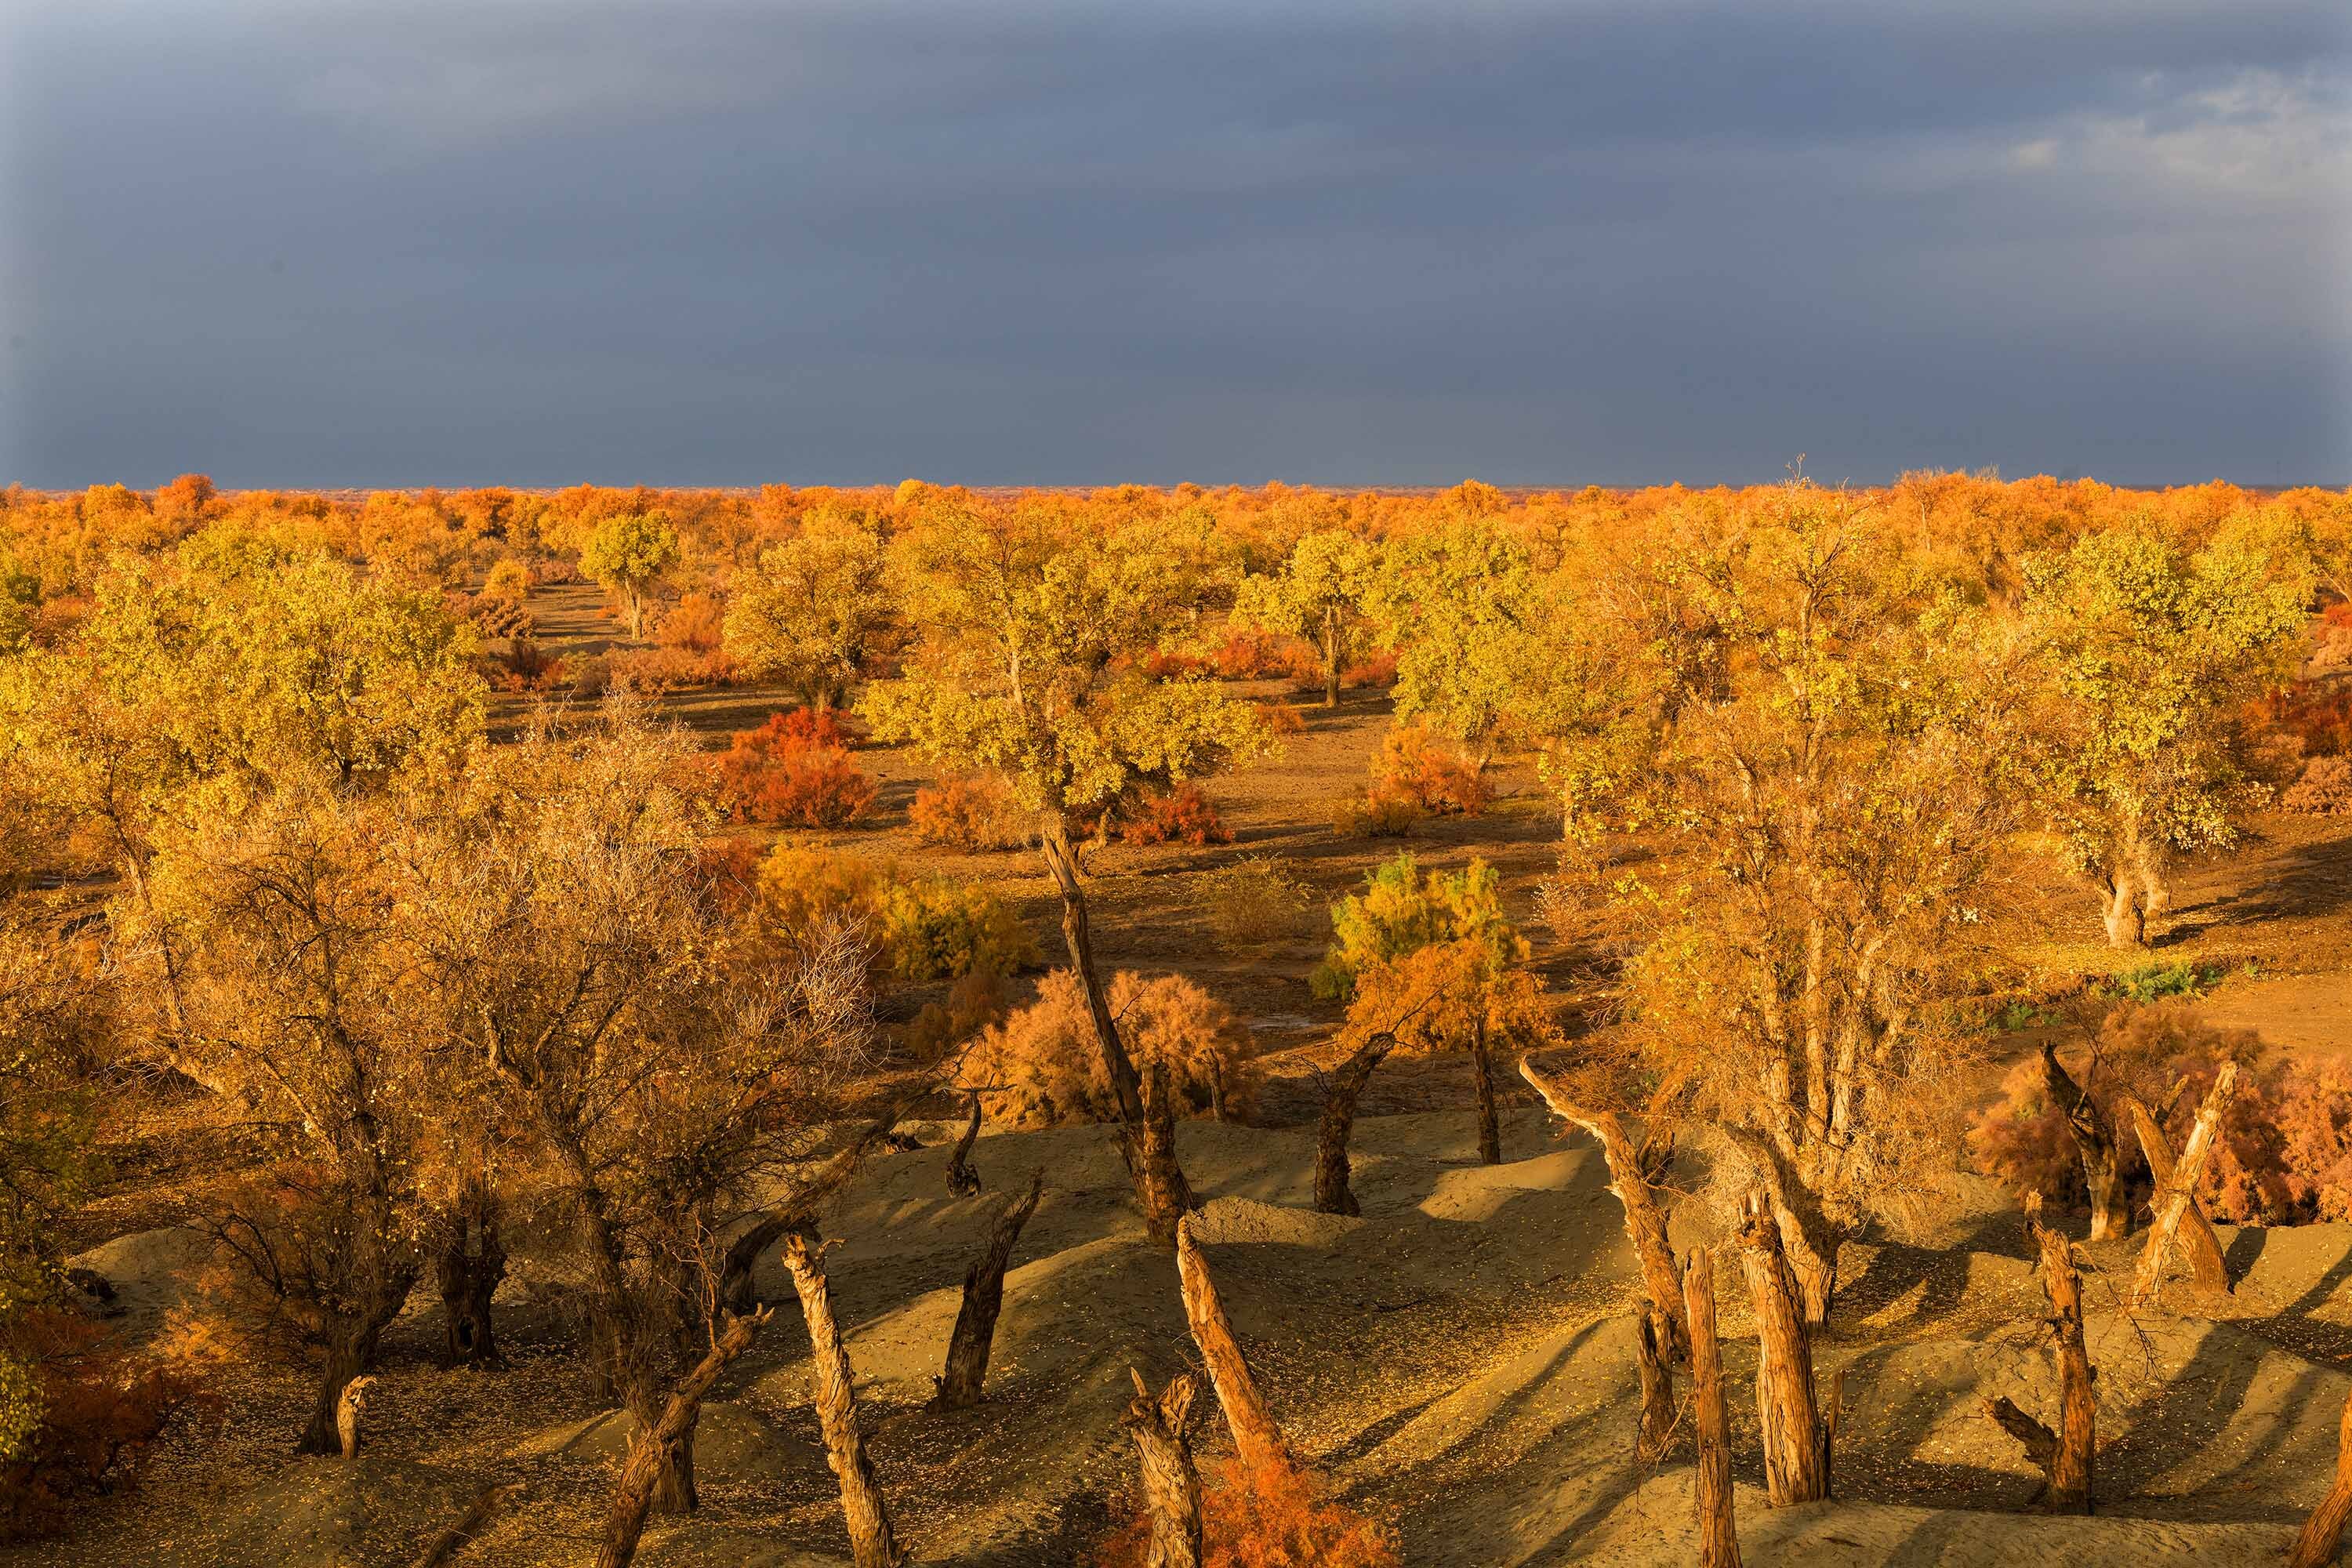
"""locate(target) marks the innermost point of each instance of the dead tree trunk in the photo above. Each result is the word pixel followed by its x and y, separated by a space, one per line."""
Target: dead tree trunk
pixel 473 1261
pixel 1332 1192
pixel 650 1445
pixel 1718 1541
pixel 1646 1222
pixel 469 1524
pixel 2173 1198
pixel 1490 1130
pixel 2066 1458
pixel 347 1356
pixel 1256 1439
pixel 2126 917
pixel 1657 1433
pixel 2323 1533
pixel 871 1544
pixel 1810 1241
pixel 2094 1131
pixel 983 1298
pixel 1796 1443
pixel 348 1411
pixel 963 1181
pixel 1159 1183
pixel 1172 1485
pixel 2207 1262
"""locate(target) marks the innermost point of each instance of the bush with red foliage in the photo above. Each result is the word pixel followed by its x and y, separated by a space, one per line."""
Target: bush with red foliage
pixel 1267 1516
pixel 1168 666
pixel 794 771
pixel 1281 719
pixel 2316 712
pixel 1429 772
pixel 102 1407
pixel 976 811
pixel 1378 670
pixel 2324 790
pixel 696 623
pixel 1183 816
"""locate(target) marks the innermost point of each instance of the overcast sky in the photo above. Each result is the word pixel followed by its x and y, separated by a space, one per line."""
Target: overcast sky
pixel 393 242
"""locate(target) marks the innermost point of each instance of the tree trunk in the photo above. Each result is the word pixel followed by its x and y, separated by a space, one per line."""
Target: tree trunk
pixel 2066 1458
pixel 1646 1222
pixel 2094 1131
pixel 672 1459
pixel 1490 1131
pixel 2173 1198
pixel 346 1358
pixel 1332 1192
pixel 632 1493
pixel 983 1298
pixel 1330 656
pixel 2207 1262
pixel 963 1181
pixel 1172 1485
pixel 1657 1429
pixel 1159 1182
pixel 1809 1241
pixel 1718 1541
pixel 1796 1443
pixel 1256 1439
pixel 348 1411
pixel 870 1541
pixel 2323 1533
pixel 469 1524
pixel 473 1261
pixel 2127 920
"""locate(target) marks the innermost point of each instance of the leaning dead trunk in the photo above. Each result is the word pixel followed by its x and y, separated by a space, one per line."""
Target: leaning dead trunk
pixel 2094 1131
pixel 871 1542
pixel 1332 1192
pixel 1646 1222
pixel 1810 1241
pixel 1159 1183
pixel 1796 1442
pixel 1718 1541
pixel 1172 1485
pixel 1257 1439
pixel 963 1181
pixel 649 1445
pixel 983 1298
pixel 2066 1456
pixel 347 1357
pixel 473 1261
pixel 2207 1262
pixel 2323 1533
pixel 2173 1198
pixel 469 1524
pixel 1490 1131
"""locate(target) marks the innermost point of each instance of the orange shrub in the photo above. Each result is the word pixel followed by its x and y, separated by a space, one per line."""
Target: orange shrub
pixel 1281 719
pixel 1429 772
pixel 1267 1517
pixel 101 1408
pixel 1183 816
pixel 696 623
pixel 1045 1060
pixel 793 771
pixel 1170 665
pixel 2324 790
pixel 2318 714
pixel 1378 670
pixel 974 812
pixel 660 669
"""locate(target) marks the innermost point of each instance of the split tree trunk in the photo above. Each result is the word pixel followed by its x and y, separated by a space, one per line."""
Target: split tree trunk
pixel 672 1459
pixel 348 1411
pixel 2094 1131
pixel 633 1494
pixel 2174 1197
pixel 1490 1131
pixel 1646 1222
pixel 347 1358
pixel 963 1181
pixel 1332 1192
pixel 2323 1533
pixel 1171 1484
pixel 1158 1180
pixel 2207 1262
pixel 1657 1432
pixel 473 1261
pixel 469 1524
pixel 871 1542
pixel 1810 1242
pixel 2127 919
pixel 1257 1439
pixel 2066 1457
pixel 1718 1540
pixel 983 1298
pixel 1796 1442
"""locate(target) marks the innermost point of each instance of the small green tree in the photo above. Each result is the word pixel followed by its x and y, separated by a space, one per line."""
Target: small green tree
pixel 2150 655
pixel 628 554
pixel 817 613
pixel 1402 910
pixel 1319 594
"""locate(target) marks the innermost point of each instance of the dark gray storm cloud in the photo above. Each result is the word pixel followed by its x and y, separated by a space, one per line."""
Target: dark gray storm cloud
pixel 362 242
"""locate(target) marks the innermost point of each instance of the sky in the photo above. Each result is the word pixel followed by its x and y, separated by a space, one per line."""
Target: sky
pixel 1359 242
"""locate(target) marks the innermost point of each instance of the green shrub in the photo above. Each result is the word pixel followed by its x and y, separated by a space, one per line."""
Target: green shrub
pixel 2154 982
pixel 1401 911
pixel 941 930
pixel 1253 900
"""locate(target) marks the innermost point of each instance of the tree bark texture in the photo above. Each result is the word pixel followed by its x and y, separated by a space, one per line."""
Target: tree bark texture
pixel 2067 1457
pixel 1718 1540
pixel 1172 1485
pixel 963 1181
pixel 2208 1264
pixel 347 1357
pixel 2126 917
pixel 1257 1439
pixel 349 1408
pixel 1490 1129
pixel 1332 1192
pixel 651 1443
pixel 1796 1442
pixel 983 1299
pixel 871 1544
pixel 473 1261
pixel 1657 1433
pixel 2323 1533
pixel 2094 1131
pixel 1646 1222
pixel 2172 1199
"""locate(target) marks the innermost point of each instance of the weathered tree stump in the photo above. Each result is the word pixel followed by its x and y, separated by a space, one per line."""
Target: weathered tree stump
pixel 650 1444
pixel 1490 1126
pixel 469 1524
pixel 2173 1199
pixel 963 1181
pixel 349 1408
pixel 1796 1441
pixel 2323 1533
pixel 1718 1539
pixel 2094 1131
pixel 2066 1458
pixel 1646 1222
pixel 2209 1266
pixel 1257 1439
pixel 472 1262
pixel 1171 1484
pixel 1332 1191
pixel 983 1298
pixel 871 1544
pixel 1657 1433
